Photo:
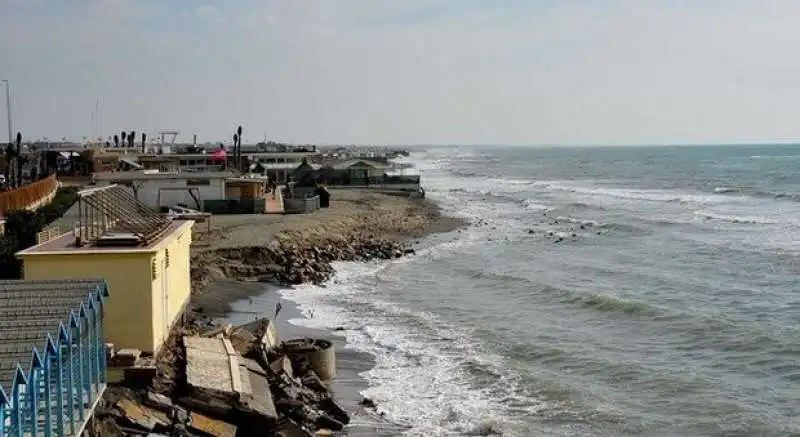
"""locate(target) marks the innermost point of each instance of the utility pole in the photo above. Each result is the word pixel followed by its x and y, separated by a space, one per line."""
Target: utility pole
pixel 8 109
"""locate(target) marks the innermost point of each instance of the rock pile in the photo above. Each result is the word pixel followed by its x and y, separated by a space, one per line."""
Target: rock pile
pixel 292 259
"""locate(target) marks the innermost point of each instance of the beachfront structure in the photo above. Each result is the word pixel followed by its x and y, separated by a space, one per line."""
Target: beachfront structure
pixel 357 173
pixel 52 355
pixel 361 169
pixel 143 257
pixel 199 191
pixel 276 165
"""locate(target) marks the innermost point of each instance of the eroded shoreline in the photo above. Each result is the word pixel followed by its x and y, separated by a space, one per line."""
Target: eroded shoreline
pixel 287 250
pixel 290 250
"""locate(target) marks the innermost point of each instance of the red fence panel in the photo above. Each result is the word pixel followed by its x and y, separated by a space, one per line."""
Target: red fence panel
pixel 28 195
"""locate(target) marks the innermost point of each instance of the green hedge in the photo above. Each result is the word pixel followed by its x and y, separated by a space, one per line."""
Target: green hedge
pixel 22 226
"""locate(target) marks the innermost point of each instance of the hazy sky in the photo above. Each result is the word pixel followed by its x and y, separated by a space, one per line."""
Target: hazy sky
pixel 407 72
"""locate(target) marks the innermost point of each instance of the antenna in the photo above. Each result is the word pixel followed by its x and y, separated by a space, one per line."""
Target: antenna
pixel 167 148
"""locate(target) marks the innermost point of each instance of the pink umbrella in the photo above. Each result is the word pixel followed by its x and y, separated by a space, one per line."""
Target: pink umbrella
pixel 220 155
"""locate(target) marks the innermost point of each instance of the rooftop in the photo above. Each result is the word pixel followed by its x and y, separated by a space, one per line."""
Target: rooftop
pixel 150 175
pixel 109 219
pixel 66 243
pixel 32 310
pixel 360 163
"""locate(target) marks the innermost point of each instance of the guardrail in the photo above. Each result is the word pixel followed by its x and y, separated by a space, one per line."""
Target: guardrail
pixel 30 196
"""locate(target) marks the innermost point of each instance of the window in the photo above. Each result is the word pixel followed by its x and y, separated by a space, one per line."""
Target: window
pixel 197 182
pixel 166 257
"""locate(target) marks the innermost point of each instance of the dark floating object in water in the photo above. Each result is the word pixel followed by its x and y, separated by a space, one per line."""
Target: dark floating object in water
pixel 368 403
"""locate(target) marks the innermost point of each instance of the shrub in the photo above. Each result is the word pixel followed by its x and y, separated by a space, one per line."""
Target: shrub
pixel 22 226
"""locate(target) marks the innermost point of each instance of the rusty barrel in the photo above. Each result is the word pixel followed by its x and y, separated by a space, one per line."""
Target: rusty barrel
pixel 321 355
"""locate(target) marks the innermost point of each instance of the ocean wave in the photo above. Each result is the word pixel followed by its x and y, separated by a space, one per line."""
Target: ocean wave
pixel 722 190
pixel 576 221
pixel 794 197
pixel 776 157
pixel 624 228
pixel 535 206
pixel 665 196
pixel 425 369
pixel 708 215
pixel 615 304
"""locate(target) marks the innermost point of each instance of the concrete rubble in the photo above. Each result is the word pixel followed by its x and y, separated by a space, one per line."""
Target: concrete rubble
pixel 238 381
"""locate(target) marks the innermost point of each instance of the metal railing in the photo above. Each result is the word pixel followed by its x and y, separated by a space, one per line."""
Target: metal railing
pixel 55 395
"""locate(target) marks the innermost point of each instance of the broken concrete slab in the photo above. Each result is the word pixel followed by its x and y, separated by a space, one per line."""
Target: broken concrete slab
pixel 158 401
pixel 264 329
pixel 243 341
pixel 142 416
pixel 289 428
pixel 209 427
pixel 212 364
pixel 260 399
pixel 282 365
pixel 126 357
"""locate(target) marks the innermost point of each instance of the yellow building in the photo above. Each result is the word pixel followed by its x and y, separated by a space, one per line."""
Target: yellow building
pixel 143 257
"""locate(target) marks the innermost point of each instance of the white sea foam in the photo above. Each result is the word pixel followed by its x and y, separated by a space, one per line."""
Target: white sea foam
pixel 419 378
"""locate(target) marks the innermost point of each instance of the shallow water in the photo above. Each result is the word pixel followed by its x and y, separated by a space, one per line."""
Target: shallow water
pixel 668 308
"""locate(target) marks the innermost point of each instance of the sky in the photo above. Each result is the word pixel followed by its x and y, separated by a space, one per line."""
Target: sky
pixel 515 72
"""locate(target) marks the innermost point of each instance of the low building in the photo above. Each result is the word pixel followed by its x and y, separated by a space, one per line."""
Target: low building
pixel 143 256
pixel 201 191
pixel 362 169
pixel 52 356
pixel 156 189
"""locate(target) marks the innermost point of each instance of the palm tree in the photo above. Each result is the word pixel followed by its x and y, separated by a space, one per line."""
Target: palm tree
pixel 122 136
pixel 235 143
pixel 131 138
pixel 116 140
pixel 144 137
pixel 239 148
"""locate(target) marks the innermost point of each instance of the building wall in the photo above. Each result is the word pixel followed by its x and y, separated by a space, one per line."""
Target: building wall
pixel 128 312
pixel 142 307
pixel 171 284
pixel 147 191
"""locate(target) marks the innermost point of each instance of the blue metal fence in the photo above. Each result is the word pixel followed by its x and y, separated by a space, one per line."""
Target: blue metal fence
pixel 62 382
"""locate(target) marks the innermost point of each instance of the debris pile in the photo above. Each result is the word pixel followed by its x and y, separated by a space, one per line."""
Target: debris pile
pixel 235 381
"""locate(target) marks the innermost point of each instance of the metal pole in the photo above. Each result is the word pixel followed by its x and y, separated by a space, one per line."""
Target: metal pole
pixel 8 109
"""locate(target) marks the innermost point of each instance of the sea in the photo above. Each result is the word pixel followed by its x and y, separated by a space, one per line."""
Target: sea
pixel 598 291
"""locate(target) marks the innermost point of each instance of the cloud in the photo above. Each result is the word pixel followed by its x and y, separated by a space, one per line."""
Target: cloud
pixel 417 71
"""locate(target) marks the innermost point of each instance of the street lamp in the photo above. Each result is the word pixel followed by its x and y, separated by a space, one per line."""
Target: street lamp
pixel 8 109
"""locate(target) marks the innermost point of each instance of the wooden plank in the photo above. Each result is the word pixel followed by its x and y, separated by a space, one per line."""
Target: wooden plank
pixel 228 346
pixel 236 378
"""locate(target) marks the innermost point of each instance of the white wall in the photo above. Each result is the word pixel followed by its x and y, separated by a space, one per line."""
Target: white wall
pixel 148 192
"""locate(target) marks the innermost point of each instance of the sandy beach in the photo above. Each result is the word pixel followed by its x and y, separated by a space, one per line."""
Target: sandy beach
pixel 354 214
